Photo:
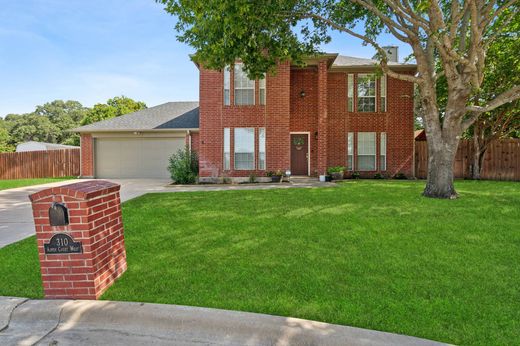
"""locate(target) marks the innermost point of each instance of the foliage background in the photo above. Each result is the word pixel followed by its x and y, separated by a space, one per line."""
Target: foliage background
pixel 53 121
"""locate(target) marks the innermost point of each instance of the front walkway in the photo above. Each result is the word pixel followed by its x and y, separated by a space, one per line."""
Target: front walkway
pixel 16 221
pixel 80 322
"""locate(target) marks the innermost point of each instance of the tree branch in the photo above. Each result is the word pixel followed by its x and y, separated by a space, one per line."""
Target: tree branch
pixel 508 96
pixel 384 59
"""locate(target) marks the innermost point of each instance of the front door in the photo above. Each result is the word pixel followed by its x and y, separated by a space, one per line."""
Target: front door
pixel 299 154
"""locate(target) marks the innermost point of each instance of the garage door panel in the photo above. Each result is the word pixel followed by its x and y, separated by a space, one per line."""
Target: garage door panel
pixel 134 157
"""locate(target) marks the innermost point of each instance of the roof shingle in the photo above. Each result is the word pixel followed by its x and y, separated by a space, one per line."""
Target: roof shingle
pixel 170 115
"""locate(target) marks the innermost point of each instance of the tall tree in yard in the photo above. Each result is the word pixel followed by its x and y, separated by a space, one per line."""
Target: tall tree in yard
pixel 449 39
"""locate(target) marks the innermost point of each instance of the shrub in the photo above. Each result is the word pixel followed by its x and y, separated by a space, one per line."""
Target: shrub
pixel 336 169
pixel 400 176
pixel 356 175
pixel 184 166
pixel 252 178
pixel 379 176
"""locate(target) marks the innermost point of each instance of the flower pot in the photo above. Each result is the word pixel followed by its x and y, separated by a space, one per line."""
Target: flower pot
pixel 337 175
pixel 276 178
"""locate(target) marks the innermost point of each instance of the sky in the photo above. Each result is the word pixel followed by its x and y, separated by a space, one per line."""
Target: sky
pixel 93 50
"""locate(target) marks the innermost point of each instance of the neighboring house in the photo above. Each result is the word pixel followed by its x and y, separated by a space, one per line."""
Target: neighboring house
pixel 39 146
pixel 335 111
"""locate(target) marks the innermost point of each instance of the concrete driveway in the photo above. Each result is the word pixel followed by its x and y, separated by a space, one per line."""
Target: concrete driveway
pixel 16 221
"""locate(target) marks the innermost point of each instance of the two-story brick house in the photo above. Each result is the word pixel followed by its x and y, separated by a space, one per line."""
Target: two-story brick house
pixel 335 111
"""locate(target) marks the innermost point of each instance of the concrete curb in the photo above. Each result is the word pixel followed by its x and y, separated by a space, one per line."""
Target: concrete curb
pixel 61 322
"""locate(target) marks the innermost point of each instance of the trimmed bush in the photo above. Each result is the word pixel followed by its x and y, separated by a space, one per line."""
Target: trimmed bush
pixel 184 166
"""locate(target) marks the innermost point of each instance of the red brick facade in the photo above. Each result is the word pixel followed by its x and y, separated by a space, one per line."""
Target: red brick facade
pixel 311 100
pixel 94 220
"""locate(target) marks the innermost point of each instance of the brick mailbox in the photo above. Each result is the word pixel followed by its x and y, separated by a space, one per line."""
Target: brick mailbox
pixel 79 230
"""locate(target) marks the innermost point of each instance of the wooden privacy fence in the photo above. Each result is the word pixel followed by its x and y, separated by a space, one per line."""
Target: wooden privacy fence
pixel 40 164
pixel 501 160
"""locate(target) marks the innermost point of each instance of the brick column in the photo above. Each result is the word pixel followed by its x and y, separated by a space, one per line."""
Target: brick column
pixel 81 258
pixel 322 117
pixel 87 156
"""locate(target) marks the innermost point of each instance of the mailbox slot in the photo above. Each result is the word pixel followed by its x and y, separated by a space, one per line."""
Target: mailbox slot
pixel 58 215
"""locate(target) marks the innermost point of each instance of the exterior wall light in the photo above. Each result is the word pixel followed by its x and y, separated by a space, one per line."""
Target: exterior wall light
pixel 302 93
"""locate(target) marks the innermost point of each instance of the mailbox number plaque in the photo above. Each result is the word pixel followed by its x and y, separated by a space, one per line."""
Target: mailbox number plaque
pixel 62 243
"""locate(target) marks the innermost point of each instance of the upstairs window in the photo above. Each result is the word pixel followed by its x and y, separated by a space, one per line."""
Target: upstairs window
pixel 350 92
pixel 227 85
pixel 383 93
pixel 244 87
pixel 261 86
pixel 244 148
pixel 366 93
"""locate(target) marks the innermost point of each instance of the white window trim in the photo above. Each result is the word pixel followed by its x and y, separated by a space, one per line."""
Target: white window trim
pixel 259 149
pixel 382 150
pixel 350 92
pixel 375 92
pixel 308 148
pixel 350 153
pixel 228 135
pixel 227 80
pixel 262 85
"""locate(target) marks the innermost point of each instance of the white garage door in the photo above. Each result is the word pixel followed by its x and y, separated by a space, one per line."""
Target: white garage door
pixel 134 157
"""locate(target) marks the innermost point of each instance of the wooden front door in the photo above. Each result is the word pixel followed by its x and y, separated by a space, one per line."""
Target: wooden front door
pixel 299 154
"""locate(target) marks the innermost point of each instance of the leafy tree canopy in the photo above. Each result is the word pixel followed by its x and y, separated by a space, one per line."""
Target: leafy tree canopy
pixel 52 121
pixel 114 107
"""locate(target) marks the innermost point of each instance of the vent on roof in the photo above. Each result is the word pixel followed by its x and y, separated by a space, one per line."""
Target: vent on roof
pixel 392 52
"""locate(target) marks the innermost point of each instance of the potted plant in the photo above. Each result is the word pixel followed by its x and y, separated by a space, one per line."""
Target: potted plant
pixel 275 176
pixel 336 172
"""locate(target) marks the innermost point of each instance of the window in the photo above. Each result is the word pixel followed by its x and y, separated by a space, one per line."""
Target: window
pixel 350 151
pixel 350 92
pixel 366 151
pixel 366 93
pixel 383 93
pixel 244 87
pixel 261 86
pixel 227 149
pixel 382 152
pixel 227 85
pixel 244 148
pixel 261 148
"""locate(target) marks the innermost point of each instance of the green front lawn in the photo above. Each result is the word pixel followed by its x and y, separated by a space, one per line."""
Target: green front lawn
pixel 11 184
pixel 371 254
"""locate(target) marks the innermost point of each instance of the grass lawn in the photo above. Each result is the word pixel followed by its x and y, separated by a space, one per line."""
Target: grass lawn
pixel 371 254
pixel 11 184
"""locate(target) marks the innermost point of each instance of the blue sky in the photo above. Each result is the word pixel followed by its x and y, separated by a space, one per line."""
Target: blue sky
pixel 92 50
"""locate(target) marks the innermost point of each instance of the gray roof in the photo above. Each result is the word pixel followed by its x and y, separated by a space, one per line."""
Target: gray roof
pixel 350 61
pixel 171 115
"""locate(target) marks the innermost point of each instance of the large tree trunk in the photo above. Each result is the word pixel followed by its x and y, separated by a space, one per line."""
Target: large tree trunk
pixel 442 148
